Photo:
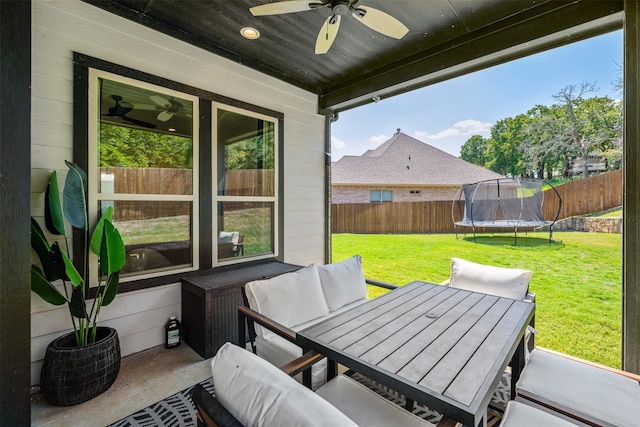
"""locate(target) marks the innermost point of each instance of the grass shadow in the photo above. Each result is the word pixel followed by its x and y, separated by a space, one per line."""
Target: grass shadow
pixel 509 240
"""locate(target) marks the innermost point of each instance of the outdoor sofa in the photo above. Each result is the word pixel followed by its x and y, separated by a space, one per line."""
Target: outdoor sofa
pixel 294 301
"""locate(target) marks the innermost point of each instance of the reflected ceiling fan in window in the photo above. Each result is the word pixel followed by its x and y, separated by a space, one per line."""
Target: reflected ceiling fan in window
pixel 373 18
pixel 120 111
pixel 168 106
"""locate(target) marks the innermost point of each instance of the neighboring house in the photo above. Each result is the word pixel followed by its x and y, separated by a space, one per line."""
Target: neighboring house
pixel 403 169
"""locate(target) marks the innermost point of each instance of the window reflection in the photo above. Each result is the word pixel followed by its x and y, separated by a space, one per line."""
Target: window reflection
pixel 244 229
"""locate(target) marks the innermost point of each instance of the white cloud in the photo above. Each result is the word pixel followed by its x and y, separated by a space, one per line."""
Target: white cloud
pixel 337 143
pixel 462 128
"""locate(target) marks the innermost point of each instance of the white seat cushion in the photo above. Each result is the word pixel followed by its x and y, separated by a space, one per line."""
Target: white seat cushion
pixel 259 394
pixel 365 407
pixel 343 282
pixel 289 299
pixel 503 282
pixel 520 415
pixel 581 389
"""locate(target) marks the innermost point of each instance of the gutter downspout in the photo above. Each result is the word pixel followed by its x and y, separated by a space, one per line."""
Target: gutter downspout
pixel 330 118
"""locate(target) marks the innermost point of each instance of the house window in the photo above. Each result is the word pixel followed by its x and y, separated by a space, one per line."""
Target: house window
pixel 194 177
pixel 246 184
pixel 378 196
pixel 144 165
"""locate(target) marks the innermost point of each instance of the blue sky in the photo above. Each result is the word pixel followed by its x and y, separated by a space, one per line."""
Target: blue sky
pixel 446 114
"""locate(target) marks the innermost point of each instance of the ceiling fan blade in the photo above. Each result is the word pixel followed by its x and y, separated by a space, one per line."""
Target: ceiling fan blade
pixel 161 101
pixel 380 21
pixel 280 7
pixel 164 115
pixel 327 34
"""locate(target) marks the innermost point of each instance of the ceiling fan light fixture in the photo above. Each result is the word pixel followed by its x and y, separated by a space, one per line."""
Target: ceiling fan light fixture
pixel 250 33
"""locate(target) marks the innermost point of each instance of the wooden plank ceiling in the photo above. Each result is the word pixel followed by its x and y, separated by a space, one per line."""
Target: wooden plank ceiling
pixel 446 38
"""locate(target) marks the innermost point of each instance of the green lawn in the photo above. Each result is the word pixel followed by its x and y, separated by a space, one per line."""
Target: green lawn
pixel 577 279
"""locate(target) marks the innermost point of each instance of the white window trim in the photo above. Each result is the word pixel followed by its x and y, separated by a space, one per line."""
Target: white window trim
pixel 94 197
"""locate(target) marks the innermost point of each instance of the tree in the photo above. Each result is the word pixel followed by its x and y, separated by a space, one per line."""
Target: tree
pixel 504 151
pixel 474 150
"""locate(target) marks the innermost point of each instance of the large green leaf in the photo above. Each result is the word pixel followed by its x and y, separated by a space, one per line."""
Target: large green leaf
pixel 77 305
pixel 42 248
pixel 111 289
pixel 112 253
pixel 75 196
pixel 70 270
pixel 53 218
pixel 98 232
pixel 44 288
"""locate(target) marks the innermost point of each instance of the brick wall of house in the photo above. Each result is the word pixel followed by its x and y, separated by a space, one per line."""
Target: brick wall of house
pixel 345 194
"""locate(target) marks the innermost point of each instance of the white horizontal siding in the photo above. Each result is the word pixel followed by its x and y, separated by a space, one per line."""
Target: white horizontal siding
pixel 62 27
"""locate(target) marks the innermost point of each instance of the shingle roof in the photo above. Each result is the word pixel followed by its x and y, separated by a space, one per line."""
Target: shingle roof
pixel 403 160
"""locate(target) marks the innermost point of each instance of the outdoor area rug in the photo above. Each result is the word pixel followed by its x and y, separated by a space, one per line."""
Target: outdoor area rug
pixel 178 410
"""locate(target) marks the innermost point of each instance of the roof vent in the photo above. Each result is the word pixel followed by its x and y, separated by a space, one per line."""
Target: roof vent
pixel 397 131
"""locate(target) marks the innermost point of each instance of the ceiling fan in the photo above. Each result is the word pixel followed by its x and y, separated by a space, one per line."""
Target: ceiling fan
pixel 373 18
pixel 122 108
pixel 169 107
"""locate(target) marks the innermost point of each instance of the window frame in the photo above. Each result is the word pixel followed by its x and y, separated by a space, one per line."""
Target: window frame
pixel 94 194
pixel 380 199
pixel 217 106
pixel 82 63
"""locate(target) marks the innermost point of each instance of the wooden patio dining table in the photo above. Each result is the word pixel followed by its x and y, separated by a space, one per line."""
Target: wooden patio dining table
pixel 443 347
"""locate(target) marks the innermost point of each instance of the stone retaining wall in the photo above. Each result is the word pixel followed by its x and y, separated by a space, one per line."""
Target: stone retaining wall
pixel 590 224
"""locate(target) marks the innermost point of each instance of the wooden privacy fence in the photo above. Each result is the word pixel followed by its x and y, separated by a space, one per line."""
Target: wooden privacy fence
pixel 579 197
pixel 244 182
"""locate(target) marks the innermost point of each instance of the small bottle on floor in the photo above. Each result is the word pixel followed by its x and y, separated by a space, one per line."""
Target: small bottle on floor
pixel 172 333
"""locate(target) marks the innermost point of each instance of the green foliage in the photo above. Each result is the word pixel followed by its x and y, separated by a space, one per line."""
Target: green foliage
pixel 474 150
pixel 57 267
pixel 128 147
pixel 577 279
pixel 548 140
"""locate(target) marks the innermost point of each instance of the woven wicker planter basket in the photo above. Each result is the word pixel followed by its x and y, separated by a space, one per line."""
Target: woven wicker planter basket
pixel 72 375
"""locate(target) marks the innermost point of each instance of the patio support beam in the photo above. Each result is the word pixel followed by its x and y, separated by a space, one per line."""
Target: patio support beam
pixel 15 189
pixel 631 191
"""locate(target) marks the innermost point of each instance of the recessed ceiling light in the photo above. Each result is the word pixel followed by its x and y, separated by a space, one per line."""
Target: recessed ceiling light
pixel 250 33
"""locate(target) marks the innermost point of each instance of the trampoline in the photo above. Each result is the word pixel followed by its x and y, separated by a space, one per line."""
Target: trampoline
pixel 503 203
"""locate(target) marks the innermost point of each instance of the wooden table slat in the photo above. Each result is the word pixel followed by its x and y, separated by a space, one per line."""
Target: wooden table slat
pixel 361 340
pixel 333 328
pixel 398 350
pixel 429 357
pixel 443 374
pixel 469 382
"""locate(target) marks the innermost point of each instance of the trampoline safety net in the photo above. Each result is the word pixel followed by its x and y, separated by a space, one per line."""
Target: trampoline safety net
pixel 504 203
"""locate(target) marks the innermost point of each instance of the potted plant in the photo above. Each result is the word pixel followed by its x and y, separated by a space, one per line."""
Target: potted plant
pixel 85 362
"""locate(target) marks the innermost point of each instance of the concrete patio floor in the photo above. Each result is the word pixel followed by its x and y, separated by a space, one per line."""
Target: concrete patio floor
pixel 144 378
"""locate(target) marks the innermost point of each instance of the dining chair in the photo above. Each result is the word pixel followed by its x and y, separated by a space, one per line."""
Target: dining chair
pixel 500 281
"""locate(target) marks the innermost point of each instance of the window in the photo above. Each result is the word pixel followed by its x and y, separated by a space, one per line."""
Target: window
pixel 144 166
pixel 194 177
pixel 246 147
pixel 377 196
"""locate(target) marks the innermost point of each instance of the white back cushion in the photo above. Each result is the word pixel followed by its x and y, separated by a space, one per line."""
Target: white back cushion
pixel 343 282
pixel 290 299
pixel 229 237
pixel 259 394
pixel 504 282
